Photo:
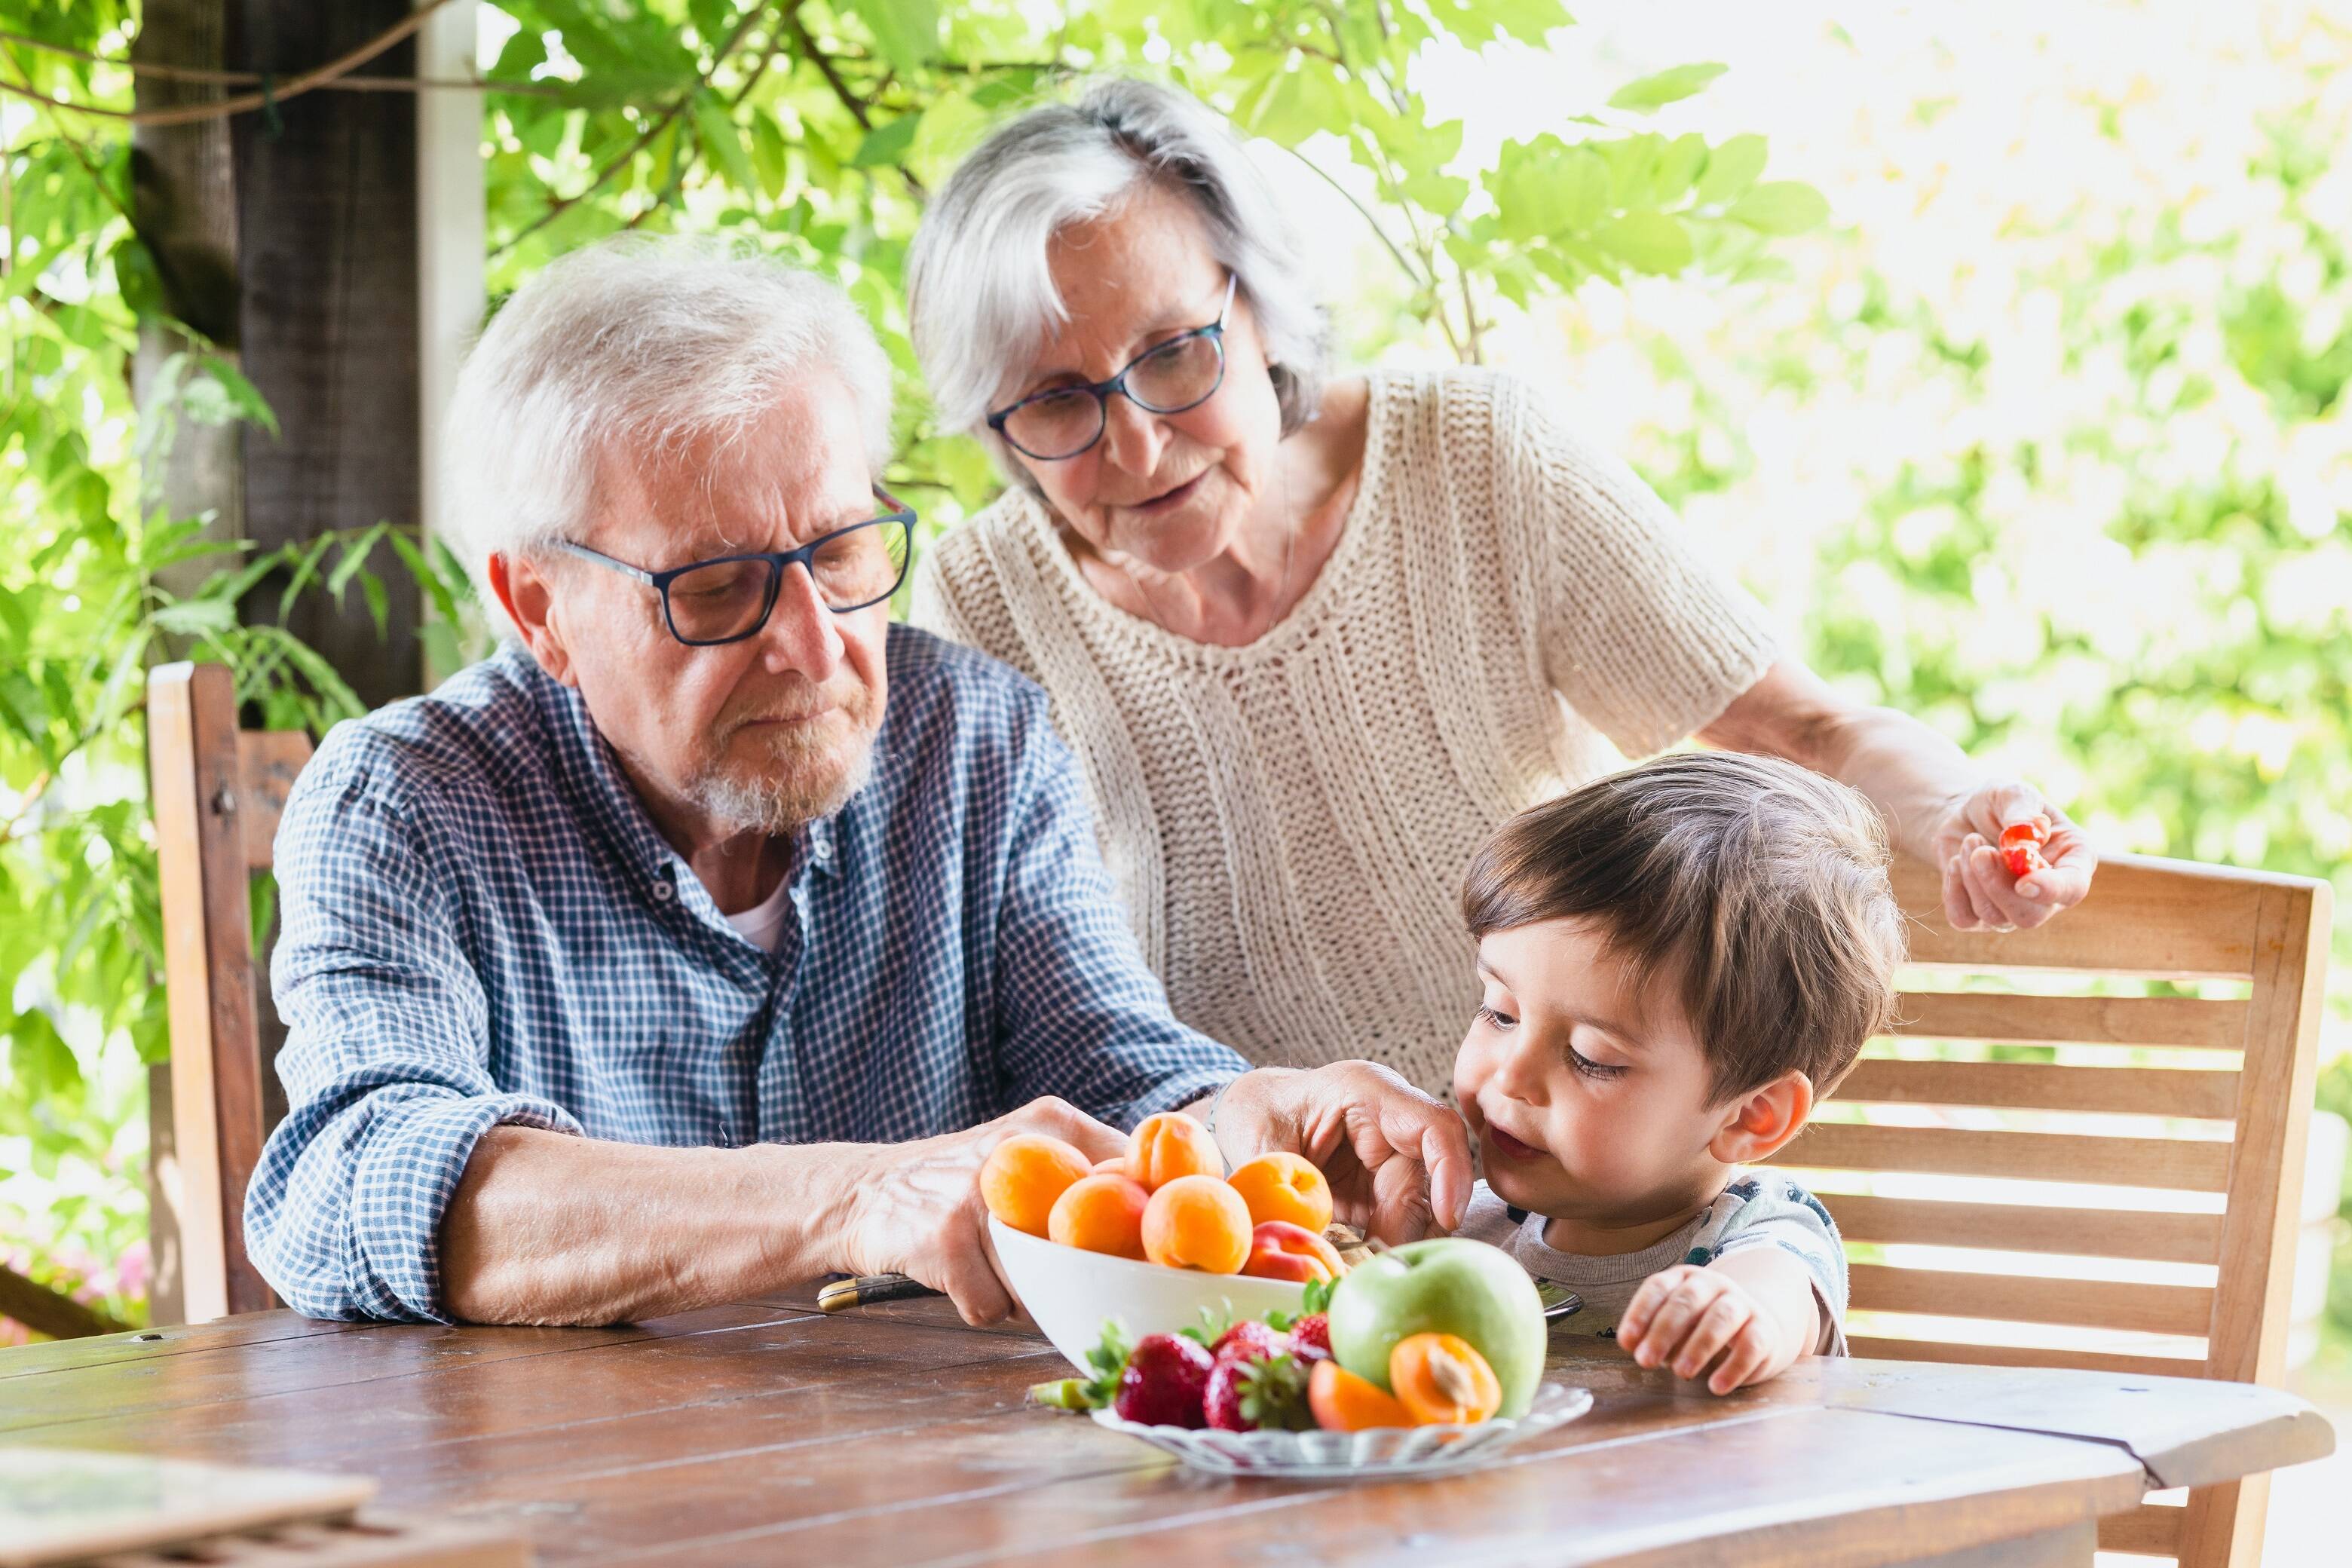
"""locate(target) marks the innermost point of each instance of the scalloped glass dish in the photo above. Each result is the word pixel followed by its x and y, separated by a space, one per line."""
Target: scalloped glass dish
pixel 1386 1453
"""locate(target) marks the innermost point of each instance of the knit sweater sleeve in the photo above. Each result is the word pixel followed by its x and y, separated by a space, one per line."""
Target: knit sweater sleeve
pixel 1643 637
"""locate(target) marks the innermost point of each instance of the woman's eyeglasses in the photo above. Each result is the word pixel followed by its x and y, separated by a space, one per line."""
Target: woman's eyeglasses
pixel 730 597
pixel 1182 373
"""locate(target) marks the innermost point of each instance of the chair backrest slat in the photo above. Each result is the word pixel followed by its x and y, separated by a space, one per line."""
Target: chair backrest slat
pixel 2011 1019
pixel 2176 1164
pixel 2159 921
pixel 2031 1138
pixel 2184 1310
pixel 2160 1236
pixel 2038 1086
pixel 269 762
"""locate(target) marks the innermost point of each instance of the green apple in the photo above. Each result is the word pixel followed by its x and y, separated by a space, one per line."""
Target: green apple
pixel 1449 1286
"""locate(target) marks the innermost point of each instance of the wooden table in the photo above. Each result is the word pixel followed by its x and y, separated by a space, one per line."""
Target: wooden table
pixel 764 1431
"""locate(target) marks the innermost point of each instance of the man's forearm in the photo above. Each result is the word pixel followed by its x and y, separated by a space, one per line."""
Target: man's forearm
pixel 549 1229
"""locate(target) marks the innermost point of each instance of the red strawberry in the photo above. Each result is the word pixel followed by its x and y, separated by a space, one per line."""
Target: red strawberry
pixel 1248 1341
pixel 1246 1394
pixel 1164 1383
pixel 1310 1338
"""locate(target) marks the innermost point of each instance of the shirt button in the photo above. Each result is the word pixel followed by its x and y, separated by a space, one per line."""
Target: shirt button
pixel 662 891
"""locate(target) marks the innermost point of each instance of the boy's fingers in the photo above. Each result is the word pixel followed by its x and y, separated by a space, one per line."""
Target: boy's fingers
pixel 1714 1329
pixel 1745 1361
pixel 1675 1314
pixel 1635 1319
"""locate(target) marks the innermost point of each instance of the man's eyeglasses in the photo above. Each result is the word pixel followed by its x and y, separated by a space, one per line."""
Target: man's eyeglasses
pixel 728 597
pixel 1182 373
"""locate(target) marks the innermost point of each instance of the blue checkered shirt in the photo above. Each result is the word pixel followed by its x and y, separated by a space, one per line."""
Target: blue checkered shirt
pixel 482 925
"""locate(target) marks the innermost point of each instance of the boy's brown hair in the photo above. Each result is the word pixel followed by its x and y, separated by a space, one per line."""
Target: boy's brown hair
pixel 1757 889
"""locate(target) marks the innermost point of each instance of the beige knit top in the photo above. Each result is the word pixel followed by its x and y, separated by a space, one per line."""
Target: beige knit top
pixel 1289 821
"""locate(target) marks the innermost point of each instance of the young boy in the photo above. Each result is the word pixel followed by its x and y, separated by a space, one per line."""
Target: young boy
pixel 1678 961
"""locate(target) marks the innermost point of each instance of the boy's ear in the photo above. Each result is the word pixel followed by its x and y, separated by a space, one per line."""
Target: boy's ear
pixel 1761 1123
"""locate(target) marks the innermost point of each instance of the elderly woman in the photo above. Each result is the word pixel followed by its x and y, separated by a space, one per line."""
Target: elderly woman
pixel 1313 636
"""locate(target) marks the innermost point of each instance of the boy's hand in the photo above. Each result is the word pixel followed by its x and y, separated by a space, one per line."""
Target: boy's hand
pixel 1695 1319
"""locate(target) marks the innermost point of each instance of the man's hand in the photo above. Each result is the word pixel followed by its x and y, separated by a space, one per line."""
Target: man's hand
pixel 1980 894
pixel 1397 1161
pixel 915 1208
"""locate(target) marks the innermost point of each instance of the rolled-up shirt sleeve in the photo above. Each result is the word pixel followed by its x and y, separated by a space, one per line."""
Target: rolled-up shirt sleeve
pixel 385 1063
pixel 1079 1013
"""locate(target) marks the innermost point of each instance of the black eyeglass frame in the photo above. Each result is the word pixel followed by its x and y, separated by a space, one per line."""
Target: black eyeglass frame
pixel 901 514
pixel 1101 390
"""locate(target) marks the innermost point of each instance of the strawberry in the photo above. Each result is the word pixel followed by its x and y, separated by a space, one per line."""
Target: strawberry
pixel 1164 1383
pixel 1249 1341
pixel 1310 1338
pixel 1247 1393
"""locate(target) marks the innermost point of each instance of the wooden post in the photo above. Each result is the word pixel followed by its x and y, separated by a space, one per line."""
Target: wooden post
pixel 183 201
pixel 327 238
pixel 451 219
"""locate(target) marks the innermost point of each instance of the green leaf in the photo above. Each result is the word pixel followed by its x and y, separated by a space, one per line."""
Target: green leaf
pixel 1781 206
pixel 769 158
pixel 192 617
pixel 1647 242
pixel 886 143
pixel 355 559
pixel 39 1058
pixel 1731 168
pixel 906 31
pixel 724 142
pixel 1669 86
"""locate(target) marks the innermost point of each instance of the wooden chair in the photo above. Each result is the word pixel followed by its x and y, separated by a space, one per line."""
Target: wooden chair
pixel 217 794
pixel 2145 918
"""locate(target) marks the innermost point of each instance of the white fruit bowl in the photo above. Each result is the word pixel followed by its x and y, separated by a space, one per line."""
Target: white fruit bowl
pixel 1070 1292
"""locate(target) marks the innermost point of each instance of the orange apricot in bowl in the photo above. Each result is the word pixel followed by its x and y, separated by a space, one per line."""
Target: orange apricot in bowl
pixel 1285 1186
pixel 1101 1212
pixel 1342 1402
pixel 1197 1222
pixel 1171 1145
pixel 1023 1176
pixel 1442 1378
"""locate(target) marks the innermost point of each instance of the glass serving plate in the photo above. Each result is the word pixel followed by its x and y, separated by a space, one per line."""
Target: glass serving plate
pixel 1384 1453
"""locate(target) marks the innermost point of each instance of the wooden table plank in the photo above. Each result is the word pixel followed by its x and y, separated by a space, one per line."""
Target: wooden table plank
pixel 764 1433
pixel 2188 1432
pixel 120 1386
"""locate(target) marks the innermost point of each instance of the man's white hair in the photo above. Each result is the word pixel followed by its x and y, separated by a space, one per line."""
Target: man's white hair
pixel 981 296
pixel 642 344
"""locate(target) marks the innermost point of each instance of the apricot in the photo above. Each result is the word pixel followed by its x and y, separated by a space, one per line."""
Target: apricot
pixel 1281 1250
pixel 1024 1176
pixel 1171 1145
pixel 1442 1378
pixel 1113 1166
pixel 1197 1222
pixel 1102 1213
pixel 1342 1402
pixel 1286 1187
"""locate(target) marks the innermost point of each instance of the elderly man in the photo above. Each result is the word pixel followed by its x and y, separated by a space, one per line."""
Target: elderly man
pixel 687 947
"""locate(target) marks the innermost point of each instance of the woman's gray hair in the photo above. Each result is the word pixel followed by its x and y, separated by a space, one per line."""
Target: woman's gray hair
pixel 980 294
pixel 641 344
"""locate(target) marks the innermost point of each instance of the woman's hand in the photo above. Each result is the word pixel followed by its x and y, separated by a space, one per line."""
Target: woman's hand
pixel 915 1208
pixel 1398 1160
pixel 1980 894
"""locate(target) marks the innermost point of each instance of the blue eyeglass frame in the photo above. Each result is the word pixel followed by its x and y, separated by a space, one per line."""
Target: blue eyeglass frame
pixel 778 561
pixel 1101 390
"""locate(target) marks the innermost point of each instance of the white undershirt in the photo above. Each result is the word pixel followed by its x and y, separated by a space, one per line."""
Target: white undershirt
pixel 762 923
